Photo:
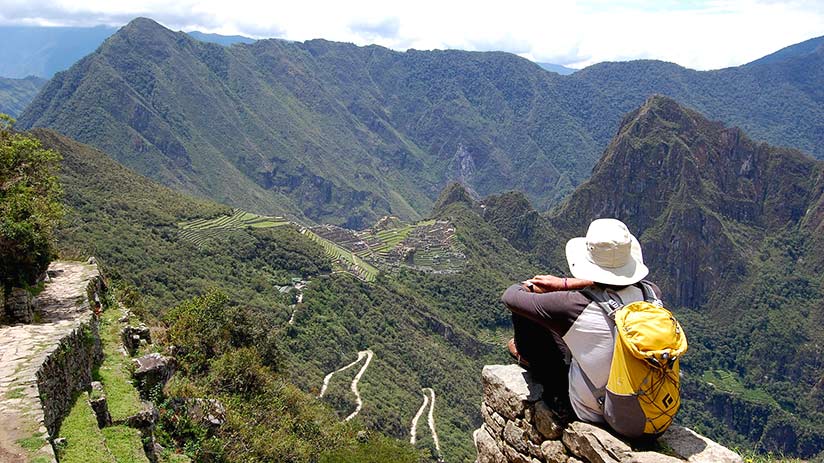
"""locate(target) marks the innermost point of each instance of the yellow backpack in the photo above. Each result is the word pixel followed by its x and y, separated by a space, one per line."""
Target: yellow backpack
pixel 642 394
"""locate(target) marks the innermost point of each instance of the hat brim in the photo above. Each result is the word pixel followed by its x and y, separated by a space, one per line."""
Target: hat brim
pixel 581 267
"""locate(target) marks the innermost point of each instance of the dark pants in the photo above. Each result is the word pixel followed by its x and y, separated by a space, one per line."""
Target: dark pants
pixel 537 346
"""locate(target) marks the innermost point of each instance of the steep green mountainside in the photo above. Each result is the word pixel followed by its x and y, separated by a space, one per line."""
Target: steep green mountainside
pixel 426 330
pixel 15 94
pixel 731 230
pixel 130 224
pixel 345 134
pixel 798 50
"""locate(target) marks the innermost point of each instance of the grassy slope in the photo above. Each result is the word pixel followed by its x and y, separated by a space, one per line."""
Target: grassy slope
pixel 131 225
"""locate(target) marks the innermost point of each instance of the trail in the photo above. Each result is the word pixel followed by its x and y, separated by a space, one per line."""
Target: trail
pixel 354 387
pixel 413 431
pixel 295 309
pixel 355 381
pixel 427 401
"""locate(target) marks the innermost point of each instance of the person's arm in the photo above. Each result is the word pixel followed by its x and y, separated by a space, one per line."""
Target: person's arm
pixel 544 308
pixel 548 283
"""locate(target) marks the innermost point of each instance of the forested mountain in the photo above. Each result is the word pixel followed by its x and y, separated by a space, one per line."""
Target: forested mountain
pixel 731 230
pixel 730 227
pixel 425 330
pixel 15 94
pixel 344 134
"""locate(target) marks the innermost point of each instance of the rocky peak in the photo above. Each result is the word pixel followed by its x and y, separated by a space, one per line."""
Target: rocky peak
pixel 520 427
pixel 691 189
pixel 455 192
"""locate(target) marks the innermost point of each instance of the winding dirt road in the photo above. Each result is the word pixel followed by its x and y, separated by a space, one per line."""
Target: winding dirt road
pixel 368 354
pixel 428 400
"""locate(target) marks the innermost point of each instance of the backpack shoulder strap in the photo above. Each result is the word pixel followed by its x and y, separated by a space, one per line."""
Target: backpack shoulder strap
pixel 601 297
pixel 649 293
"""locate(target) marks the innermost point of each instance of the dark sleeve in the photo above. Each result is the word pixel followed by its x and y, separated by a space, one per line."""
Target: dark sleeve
pixel 556 310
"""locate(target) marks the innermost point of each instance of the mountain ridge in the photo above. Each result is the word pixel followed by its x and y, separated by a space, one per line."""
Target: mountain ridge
pixel 274 115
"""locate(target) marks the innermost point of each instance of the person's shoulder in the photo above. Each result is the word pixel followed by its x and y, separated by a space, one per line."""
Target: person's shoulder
pixel 655 288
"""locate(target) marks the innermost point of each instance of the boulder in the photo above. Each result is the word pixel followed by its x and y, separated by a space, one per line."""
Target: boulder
pixel 133 335
pixel 509 389
pixel 19 308
pixel 594 444
pixel 207 412
pixel 97 399
pixel 488 450
pixel 696 448
pixel 152 372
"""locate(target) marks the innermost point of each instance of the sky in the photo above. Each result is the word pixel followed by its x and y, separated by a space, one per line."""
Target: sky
pixel 699 34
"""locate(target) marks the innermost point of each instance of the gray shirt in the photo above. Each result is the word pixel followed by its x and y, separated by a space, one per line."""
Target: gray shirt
pixel 582 332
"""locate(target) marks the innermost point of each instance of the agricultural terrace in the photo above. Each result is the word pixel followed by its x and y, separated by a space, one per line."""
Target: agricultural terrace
pixel 200 230
pixel 429 245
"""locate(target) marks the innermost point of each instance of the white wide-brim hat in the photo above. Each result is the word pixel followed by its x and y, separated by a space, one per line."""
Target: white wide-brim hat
pixel 609 254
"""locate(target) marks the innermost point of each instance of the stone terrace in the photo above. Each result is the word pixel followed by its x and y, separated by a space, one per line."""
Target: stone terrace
pixel 60 310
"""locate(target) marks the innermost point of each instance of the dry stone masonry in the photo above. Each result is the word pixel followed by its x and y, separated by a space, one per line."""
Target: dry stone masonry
pixel 43 364
pixel 520 427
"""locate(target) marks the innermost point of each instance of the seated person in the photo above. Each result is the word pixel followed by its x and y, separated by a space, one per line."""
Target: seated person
pixel 561 335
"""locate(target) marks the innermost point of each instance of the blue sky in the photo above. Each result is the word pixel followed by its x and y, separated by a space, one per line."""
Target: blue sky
pixel 701 34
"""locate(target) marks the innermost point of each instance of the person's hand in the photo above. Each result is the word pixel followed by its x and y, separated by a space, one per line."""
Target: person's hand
pixel 546 283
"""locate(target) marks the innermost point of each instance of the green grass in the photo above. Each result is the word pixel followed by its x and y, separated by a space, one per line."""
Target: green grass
pixel 16 393
pixel 125 444
pixel 728 382
pixel 750 456
pixel 33 443
pixel 122 397
pixel 84 441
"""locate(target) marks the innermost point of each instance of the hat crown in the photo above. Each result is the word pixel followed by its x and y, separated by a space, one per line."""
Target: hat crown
pixel 609 243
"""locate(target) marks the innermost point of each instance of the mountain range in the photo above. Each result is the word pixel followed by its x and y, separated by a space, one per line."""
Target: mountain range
pixel 731 225
pixel 343 134
pixel 736 248
pixel 44 51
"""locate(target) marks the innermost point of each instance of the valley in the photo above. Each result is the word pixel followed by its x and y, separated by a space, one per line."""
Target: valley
pixel 320 232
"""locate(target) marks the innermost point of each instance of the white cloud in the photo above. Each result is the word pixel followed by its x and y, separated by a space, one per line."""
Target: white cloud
pixel 701 34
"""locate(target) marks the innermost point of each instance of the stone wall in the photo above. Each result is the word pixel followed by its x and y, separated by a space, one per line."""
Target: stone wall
pixel 20 309
pixel 520 427
pixel 68 369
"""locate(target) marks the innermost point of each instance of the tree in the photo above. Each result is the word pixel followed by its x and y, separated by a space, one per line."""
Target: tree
pixel 29 208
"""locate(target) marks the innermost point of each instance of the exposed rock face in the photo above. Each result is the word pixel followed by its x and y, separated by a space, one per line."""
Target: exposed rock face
pixel 208 412
pixel 153 371
pixel 520 427
pixel 689 188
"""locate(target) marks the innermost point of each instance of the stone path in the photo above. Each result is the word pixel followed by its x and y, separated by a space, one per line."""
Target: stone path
pixel 59 309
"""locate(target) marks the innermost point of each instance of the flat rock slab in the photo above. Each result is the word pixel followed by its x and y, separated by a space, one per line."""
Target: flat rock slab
pixel 696 448
pixel 60 309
